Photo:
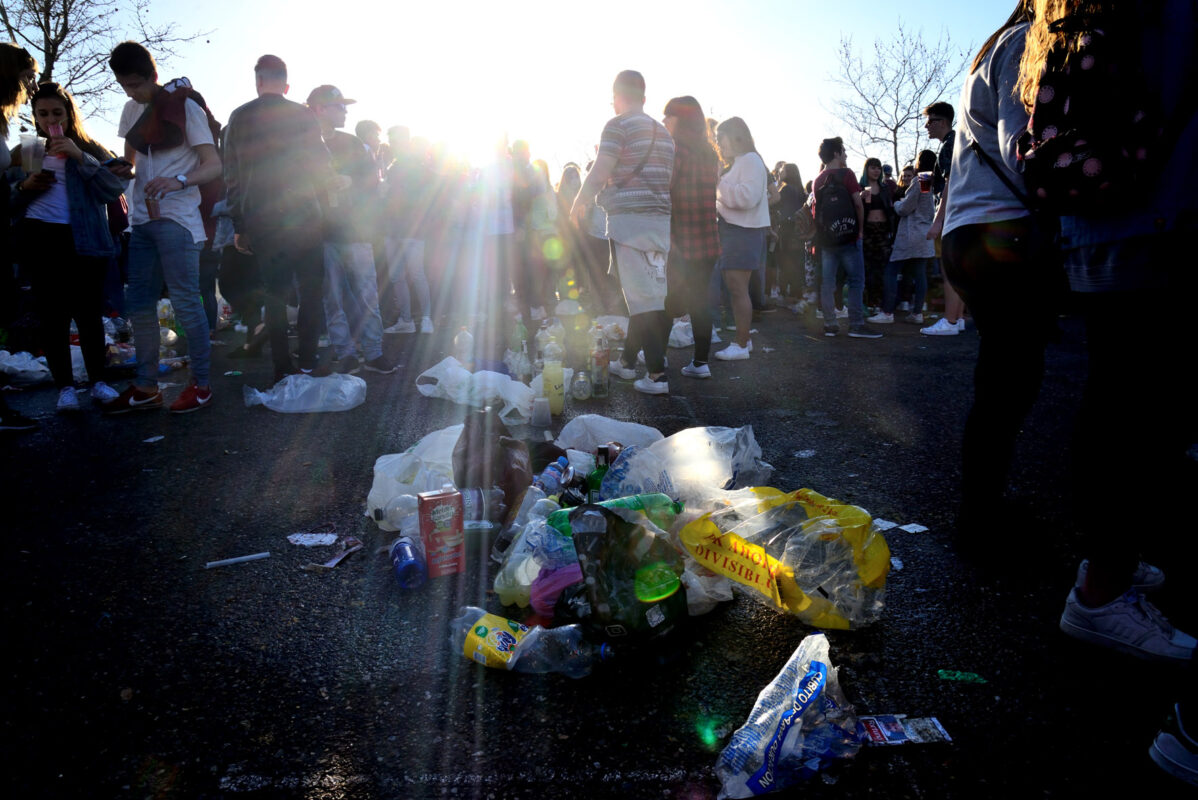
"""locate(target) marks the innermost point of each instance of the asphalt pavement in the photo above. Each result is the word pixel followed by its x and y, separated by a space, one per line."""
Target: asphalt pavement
pixel 136 672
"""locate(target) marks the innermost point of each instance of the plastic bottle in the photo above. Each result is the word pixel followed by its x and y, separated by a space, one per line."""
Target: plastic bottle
pixel 553 380
pixel 580 387
pixel 600 362
pixel 506 644
pixel 533 496
pixel 557 331
pixel 603 459
pixel 542 338
pixel 483 504
pixel 397 510
pixel 463 347
pixel 523 365
pixel 550 479
pixel 407 559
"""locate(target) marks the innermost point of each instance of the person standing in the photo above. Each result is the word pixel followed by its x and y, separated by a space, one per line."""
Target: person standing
pixel 912 251
pixel 742 202
pixel 939 125
pixel 694 230
pixel 65 243
pixel 351 297
pixel 169 152
pixel 631 177
pixel 839 215
pixel 18 81
pixel 277 171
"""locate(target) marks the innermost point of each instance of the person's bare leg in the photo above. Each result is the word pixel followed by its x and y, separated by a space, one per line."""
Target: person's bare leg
pixel 737 281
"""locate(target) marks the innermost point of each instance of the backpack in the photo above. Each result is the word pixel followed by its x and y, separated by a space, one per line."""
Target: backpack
pixel 1096 133
pixel 804 224
pixel 835 214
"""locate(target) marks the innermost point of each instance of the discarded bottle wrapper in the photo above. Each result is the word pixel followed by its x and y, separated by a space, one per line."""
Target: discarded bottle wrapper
pixel 891 729
pixel 153 439
pixel 238 560
pixel 312 539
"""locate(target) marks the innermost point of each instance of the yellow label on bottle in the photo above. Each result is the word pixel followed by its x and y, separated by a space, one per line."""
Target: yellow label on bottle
pixel 492 640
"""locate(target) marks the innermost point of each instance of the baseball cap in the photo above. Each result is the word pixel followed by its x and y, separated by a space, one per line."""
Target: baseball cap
pixel 327 95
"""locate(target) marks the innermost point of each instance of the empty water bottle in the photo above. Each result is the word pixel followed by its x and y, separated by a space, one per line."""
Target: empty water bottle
pixel 506 644
pixel 550 479
pixel 463 347
pixel 407 559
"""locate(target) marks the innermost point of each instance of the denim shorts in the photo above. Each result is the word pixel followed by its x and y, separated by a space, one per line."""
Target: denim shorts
pixel 741 248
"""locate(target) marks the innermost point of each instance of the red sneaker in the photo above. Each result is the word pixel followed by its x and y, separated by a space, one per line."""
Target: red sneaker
pixel 134 399
pixel 193 398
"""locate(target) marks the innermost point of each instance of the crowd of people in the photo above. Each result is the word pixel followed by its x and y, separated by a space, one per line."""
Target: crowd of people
pixel 679 216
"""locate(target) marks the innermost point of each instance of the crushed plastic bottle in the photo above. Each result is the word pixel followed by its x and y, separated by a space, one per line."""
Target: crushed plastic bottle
pixel 407 559
pixel 506 644
pixel 463 347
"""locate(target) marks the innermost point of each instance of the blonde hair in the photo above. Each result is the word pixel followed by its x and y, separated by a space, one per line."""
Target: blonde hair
pixel 1040 40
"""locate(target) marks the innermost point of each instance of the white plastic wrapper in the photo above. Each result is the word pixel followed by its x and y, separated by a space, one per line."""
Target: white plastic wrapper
pixel 22 369
pixel 449 380
pixel 693 465
pixel 424 467
pixel 588 431
pixel 304 394
pixel 800 724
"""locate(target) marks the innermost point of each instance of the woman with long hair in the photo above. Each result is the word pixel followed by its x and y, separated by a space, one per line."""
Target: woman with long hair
pixel 65 243
pixel 878 197
pixel 18 80
pixel 912 249
pixel 1130 431
pixel 694 235
pixel 742 201
pixel 791 198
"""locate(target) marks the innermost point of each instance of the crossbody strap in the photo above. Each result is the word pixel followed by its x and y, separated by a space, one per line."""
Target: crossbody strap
pixel 644 160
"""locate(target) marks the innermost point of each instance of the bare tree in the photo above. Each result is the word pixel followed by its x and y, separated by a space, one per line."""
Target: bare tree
pixel 885 96
pixel 71 40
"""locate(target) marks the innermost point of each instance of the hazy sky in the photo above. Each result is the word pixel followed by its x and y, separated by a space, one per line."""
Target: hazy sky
pixel 466 72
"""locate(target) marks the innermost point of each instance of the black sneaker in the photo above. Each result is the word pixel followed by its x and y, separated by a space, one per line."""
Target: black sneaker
pixel 863 332
pixel 831 330
pixel 11 420
pixel 380 365
pixel 348 366
pixel 1175 750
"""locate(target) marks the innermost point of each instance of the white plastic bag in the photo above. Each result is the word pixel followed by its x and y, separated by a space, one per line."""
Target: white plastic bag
pixel 424 467
pixel 23 369
pixel 616 328
pixel 449 380
pixel 692 465
pixel 588 431
pixel 800 724
pixel 681 333
pixel 304 394
pixel 446 380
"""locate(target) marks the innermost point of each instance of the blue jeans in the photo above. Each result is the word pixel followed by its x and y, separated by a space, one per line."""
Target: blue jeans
pixel 351 299
pixel 851 258
pixel 161 251
pixel 907 266
pixel 405 262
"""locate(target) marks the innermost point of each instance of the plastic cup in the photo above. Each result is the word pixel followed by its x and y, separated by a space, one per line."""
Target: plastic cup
pixel 33 152
pixel 925 182
pixel 540 412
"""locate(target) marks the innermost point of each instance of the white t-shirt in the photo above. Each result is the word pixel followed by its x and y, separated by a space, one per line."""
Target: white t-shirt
pixel 182 207
pixel 52 205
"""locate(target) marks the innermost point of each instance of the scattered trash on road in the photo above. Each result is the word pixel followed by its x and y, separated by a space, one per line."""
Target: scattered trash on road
pixel 913 527
pixel 153 439
pixel 349 545
pixel 963 677
pixel 312 539
pixel 892 729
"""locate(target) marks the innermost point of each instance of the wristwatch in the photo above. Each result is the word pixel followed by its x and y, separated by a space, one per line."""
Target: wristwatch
pixel 182 179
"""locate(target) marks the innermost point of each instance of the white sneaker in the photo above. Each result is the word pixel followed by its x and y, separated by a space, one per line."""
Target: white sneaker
pixel 67 400
pixel 622 372
pixel 1130 624
pixel 904 306
pixel 1146 578
pixel 881 318
pixel 819 314
pixel 914 319
pixel 715 337
pixel 426 325
pixel 692 371
pixel 647 385
pixel 942 328
pixel 102 393
pixel 401 327
pixel 961 325
pixel 733 352
pixel 842 313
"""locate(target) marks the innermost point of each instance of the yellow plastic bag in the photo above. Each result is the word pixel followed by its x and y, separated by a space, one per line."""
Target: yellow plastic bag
pixel 803 553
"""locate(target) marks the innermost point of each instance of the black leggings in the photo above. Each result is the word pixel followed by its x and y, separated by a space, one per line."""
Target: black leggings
pixel 688 281
pixel 66 286
pixel 1005 274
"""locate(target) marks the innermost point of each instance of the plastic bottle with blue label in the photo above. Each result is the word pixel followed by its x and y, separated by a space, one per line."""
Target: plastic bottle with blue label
pixel 407 559
pixel 506 644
